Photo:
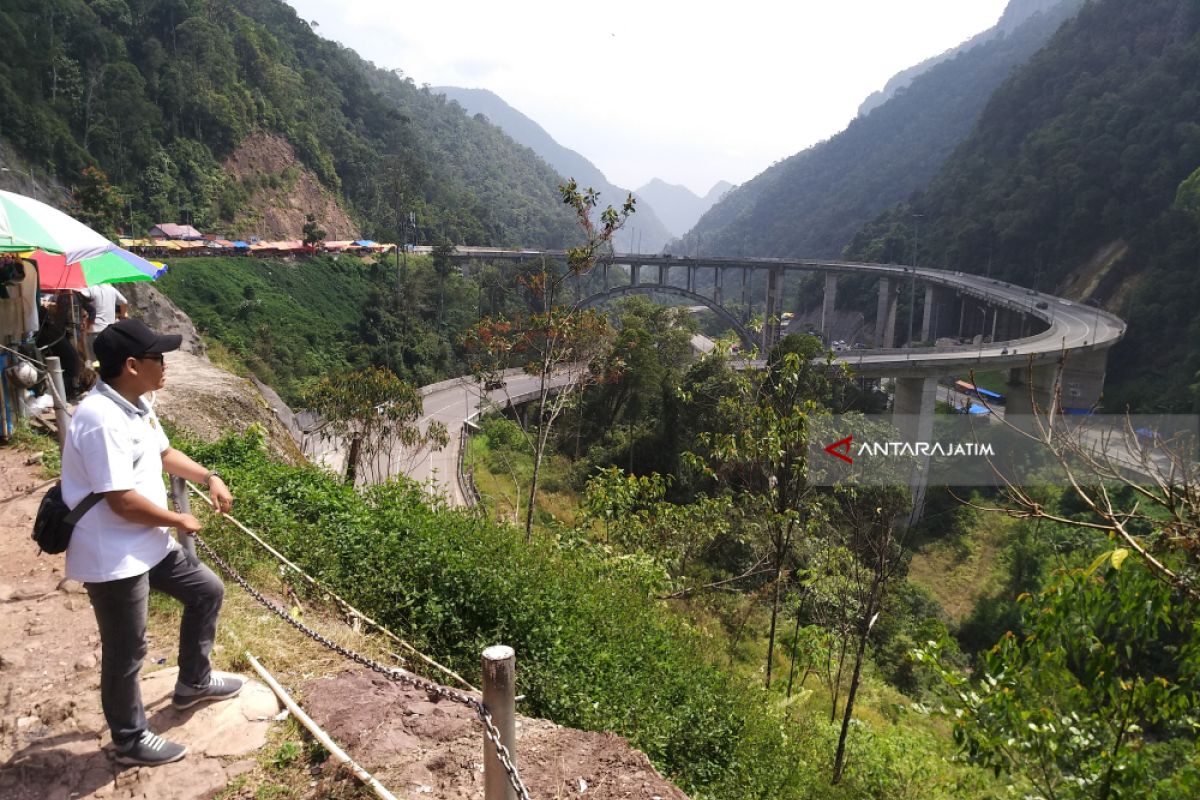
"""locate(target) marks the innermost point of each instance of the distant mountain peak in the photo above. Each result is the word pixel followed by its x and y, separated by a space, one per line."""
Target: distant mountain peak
pixel 678 206
pixel 644 231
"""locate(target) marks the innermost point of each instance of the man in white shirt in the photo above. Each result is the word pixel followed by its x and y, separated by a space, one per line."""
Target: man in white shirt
pixel 121 548
pixel 109 304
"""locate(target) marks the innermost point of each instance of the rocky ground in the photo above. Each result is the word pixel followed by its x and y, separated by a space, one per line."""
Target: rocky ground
pixel 53 742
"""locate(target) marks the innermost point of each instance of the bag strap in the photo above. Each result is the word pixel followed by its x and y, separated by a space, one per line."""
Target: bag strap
pixel 85 505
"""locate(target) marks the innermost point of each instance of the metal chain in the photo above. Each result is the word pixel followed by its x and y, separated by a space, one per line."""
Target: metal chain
pixel 392 673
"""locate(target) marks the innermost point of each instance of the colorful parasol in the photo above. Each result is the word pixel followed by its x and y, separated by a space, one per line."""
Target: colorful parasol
pixel 55 273
pixel 27 224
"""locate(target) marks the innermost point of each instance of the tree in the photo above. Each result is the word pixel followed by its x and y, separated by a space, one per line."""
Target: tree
pixel 1086 704
pixel 557 344
pixel 1097 698
pixel 376 412
pixel 311 233
pixel 96 203
pixel 870 520
pixel 763 455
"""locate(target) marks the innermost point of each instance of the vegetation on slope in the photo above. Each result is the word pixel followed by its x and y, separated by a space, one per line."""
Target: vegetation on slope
pixel 290 321
pixel 156 93
pixel 595 649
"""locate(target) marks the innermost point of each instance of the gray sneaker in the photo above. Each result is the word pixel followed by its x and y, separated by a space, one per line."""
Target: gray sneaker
pixel 151 750
pixel 220 687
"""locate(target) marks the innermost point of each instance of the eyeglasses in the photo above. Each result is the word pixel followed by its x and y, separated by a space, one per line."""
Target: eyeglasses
pixel 151 357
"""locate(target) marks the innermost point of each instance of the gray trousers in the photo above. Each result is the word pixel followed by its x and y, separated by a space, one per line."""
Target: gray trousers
pixel 121 608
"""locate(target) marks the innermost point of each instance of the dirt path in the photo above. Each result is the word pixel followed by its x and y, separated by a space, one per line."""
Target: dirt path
pixel 54 744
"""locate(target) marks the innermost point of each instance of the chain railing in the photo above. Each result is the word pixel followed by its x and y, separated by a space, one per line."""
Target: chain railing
pixel 491 732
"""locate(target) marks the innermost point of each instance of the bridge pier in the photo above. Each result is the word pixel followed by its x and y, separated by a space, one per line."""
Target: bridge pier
pixel 770 330
pixel 1074 384
pixel 747 301
pixel 718 285
pixel 939 308
pixel 691 279
pixel 635 274
pixel 829 306
pixel 912 413
pixel 885 314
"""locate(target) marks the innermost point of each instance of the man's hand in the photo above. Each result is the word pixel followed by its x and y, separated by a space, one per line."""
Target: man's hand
pixel 221 499
pixel 187 524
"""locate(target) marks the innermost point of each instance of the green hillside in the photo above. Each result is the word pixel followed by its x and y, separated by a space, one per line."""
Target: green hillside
pixel 1081 176
pixel 811 204
pixel 156 93
pixel 291 321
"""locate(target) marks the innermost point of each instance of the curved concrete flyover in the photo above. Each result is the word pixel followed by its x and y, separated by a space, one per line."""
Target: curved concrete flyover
pixel 1071 327
pixel 1045 365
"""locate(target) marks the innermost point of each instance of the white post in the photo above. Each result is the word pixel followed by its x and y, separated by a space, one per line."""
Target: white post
pixel 183 505
pixel 499 673
pixel 61 418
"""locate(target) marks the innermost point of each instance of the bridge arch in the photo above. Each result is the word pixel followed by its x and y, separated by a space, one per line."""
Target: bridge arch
pixel 651 288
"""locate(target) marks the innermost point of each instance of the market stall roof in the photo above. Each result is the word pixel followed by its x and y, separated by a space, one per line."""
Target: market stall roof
pixel 169 230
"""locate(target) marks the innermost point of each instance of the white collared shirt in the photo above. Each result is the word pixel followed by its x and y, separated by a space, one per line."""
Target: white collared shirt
pixel 113 445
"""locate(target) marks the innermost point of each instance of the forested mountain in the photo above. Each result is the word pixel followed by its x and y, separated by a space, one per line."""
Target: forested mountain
pixel 157 93
pixel 645 231
pixel 681 207
pixel 811 204
pixel 1081 176
pixel 1014 16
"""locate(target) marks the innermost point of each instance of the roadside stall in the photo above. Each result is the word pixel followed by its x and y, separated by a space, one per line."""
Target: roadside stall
pixel 44 250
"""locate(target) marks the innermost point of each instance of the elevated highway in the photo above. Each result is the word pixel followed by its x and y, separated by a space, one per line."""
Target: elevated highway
pixel 1054 349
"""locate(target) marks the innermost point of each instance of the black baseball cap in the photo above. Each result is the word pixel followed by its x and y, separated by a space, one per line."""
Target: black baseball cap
pixel 131 337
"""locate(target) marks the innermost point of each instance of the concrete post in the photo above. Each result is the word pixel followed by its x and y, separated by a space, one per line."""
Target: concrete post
pixel 183 505
pixel 635 274
pixel 499 680
pixel 912 413
pixel 885 314
pixel 664 274
pixel 829 306
pixel 691 278
pixel 718 285
pixel 61 418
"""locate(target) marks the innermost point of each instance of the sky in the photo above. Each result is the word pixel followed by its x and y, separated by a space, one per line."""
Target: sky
pixel 688 92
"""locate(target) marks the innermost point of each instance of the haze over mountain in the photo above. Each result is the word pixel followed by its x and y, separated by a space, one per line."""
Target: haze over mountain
pixel 811 204
pixel 680 207
pixel 1014 15
pixel 644 232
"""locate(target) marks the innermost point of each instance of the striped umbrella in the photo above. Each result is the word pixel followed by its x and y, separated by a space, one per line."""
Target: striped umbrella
pixel 27 224
pixel 55 273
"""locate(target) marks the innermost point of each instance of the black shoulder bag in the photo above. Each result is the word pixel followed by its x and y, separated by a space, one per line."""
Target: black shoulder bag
pixel 55 520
